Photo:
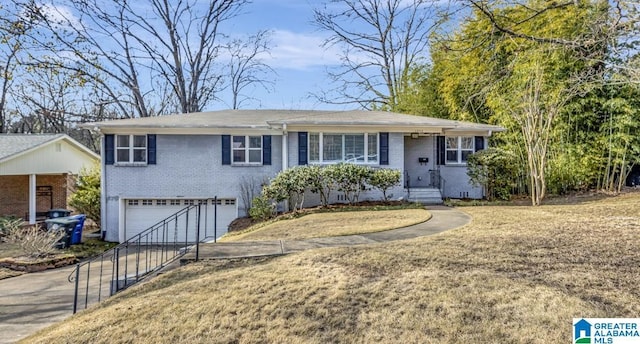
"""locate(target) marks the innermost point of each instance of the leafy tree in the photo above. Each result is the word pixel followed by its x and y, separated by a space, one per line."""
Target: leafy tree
pixel 86 196
pixel 539 69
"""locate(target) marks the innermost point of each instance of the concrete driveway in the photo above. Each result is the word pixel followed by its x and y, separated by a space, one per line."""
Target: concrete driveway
pixel 33 301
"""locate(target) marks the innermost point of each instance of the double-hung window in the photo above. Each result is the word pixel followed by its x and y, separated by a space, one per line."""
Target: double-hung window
pixel 458 149
pixel 359 148
pixel 131 149
pixel 247 149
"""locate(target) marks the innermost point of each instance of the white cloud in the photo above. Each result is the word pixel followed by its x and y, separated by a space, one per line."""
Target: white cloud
pixel 61 16
pixel 300 51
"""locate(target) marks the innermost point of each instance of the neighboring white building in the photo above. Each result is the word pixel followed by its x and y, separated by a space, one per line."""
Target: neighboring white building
pixel 155 166
pixel 35 171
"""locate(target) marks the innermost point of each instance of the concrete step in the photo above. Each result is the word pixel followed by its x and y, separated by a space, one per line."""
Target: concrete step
pixel 425 196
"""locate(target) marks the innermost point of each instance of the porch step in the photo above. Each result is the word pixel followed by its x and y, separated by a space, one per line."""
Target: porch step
pixel 425 195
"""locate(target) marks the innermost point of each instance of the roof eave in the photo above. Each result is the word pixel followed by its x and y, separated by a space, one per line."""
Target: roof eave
pixel 53 140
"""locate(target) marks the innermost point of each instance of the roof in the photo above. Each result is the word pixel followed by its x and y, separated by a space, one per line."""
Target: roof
pixel 276 119
pixel 13 145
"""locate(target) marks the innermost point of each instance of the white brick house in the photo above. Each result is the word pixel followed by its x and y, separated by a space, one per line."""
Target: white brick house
pixel 153 167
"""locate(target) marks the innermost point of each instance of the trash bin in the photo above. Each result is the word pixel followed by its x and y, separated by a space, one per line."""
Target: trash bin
pixel 55 213
pixel 64 224
pixel 76 236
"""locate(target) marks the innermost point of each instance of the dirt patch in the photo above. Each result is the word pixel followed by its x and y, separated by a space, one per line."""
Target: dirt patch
pixel 241 223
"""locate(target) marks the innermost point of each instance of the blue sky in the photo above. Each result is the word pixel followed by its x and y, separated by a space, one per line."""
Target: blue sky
pixel 296 53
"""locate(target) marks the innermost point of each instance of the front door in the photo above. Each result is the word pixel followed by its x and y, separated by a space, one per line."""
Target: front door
pixel 419 161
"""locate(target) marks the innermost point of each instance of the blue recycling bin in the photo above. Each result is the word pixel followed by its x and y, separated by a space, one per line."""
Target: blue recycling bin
pixel 76 236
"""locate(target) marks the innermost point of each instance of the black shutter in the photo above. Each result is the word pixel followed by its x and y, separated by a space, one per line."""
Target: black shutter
pixel 384 148
pixel 151 149
pixel 226 149
pixel 266 150
pixel 441 151
pixel 109 149
pixel 302 148
pixel 479 143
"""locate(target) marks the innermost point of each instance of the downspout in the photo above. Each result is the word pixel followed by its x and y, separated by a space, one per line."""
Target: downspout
pixel 285 147
pixel 285 155
pixel 103 197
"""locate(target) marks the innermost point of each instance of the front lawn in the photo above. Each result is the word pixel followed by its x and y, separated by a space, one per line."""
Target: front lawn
pixel 513 275
pixel 326 224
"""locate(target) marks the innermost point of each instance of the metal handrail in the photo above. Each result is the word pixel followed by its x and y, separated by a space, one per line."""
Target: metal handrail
pixel 407 184
pixel 146 252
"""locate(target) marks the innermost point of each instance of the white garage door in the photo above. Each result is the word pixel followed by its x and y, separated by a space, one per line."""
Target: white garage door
pixel 141 214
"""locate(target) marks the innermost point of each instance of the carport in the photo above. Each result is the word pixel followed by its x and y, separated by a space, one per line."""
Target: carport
pixel 36 172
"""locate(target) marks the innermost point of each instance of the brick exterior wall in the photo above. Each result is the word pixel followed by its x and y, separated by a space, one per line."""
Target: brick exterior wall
pixel 188 166
pixel 14 194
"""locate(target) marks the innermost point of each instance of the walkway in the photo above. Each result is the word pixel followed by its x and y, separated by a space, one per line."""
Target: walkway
pixel 443 218
pixel 34 301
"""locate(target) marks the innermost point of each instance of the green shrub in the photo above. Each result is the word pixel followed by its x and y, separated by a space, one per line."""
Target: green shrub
pixel 494 169
pixel 351 179
pixel 261 209
pixel 383 179
pixel 86 196
pixel 290 185
pixel 322 180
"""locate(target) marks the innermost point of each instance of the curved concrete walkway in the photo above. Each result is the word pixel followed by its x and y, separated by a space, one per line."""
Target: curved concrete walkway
pixel 443 218
pixel 34 301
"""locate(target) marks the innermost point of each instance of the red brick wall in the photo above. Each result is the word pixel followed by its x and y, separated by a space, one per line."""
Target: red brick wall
pixel 14 194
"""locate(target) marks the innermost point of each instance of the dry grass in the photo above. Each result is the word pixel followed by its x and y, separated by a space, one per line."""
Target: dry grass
pixel 8 250
pixel 514 275
pixel 7 273
pixel 332 224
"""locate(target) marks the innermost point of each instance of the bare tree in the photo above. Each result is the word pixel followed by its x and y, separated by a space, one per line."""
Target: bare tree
pixel 14 33
pixel 48 101
pixel 246 68
pixel 134 50
pixel 380 40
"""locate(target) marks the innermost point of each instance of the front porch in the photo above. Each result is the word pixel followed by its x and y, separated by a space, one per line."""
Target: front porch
pixel 31 196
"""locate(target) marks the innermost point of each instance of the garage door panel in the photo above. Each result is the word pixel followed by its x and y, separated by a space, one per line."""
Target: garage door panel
pixel 142 214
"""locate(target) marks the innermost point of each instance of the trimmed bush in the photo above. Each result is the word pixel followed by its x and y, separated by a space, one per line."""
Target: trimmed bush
pixel 384 179
pixel 351 179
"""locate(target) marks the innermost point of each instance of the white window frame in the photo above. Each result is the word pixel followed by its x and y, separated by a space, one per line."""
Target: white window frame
pixel 132 149
pixel 458 149
pixel 321 149
pixel 247 148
